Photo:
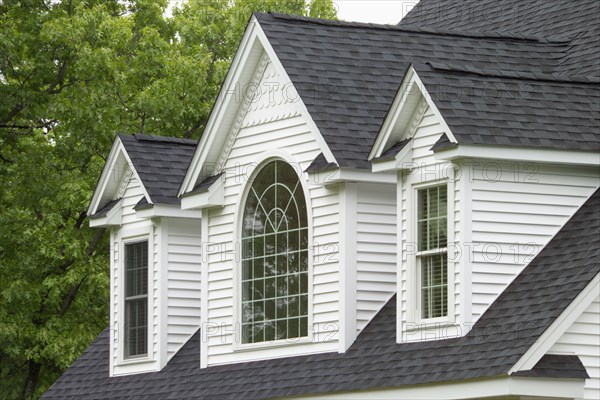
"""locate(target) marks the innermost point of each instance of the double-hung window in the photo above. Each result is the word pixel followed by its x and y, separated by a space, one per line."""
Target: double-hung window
pixel 136 300
pixel 432 251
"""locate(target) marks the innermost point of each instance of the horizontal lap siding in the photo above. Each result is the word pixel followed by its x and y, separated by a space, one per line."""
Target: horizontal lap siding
pixel 131 192
pixel 269 125
pixel 183 303
pixel 426 169
pixel 583 340
pixel 516 209
pixel 376 250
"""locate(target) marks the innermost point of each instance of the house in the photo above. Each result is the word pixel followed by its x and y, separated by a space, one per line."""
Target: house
pixel 381 212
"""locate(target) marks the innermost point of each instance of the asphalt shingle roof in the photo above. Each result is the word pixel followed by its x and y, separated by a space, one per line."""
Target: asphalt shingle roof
pixel 578 20
pixel 510 110
pixel 498 340
pixel 161 163
pixel 105 209
pixel 349 73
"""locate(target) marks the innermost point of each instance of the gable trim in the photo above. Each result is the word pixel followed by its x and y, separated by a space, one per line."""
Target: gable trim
pixel 253 42
pixel 109 172
pixel 558 327
pixel 402 160
pixel 112 218
pixel 410 84
pixel 303 110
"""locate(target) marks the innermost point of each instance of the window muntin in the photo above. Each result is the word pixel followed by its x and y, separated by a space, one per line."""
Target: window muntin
pixel 432 259
pixel 275 257
pixel 136 299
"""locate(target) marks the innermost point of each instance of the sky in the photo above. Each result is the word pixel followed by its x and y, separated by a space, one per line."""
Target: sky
pixel 376 11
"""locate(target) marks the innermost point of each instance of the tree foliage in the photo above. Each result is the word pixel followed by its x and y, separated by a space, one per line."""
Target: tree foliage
pixel 72 75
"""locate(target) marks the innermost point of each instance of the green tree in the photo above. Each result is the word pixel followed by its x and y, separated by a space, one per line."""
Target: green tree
pixel 73 73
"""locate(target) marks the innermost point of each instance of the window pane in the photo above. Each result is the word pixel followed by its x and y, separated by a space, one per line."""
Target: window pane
pixel 275 257
pixel 136 299
pixel 434 286
pixel 432 217
pixel 136 329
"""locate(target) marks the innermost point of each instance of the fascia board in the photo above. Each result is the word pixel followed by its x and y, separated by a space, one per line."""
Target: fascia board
pixel 112 218
pixel 402 161
pixel 222 103
pixel 169 211
pixel 393 115
pixel 507 153
pixel 335 176
pixel 108 169
pixel 213 197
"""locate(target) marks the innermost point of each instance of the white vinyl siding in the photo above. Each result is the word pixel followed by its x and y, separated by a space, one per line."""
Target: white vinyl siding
pixel 376 250
pixel 131 192
pixel 583 339
pixel 426 171
pixel 132 229
pixel 516 209
pixel 271 122
pixel 183 304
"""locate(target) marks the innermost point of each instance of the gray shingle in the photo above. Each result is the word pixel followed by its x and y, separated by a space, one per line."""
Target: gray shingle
pixel 349 73
pixel 105 209
pixel 497 341
pixel 161 163
pixel 320 164
pixel 557 366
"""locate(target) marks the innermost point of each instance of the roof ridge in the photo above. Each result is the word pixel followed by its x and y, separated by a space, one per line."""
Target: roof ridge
pixel 159 139
pixel 491 35
pixel 520 75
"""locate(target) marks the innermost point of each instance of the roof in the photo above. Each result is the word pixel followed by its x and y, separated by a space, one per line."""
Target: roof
pixel 557 366
pixel 105 209
pixel 320 164
pixel 349 73
pixel 508 109
pixel 206 183
pixel 390 153
pixel 520 315
pixel 579 21
pixel 161 163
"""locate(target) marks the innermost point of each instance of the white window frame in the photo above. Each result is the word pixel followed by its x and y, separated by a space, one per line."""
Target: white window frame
pixel 238 345
pixel 125 237
pixel 413 267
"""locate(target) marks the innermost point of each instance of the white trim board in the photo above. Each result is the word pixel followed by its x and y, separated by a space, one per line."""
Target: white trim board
pixel 558 327
pixel 113 171
pixel 167 210
pixel 503 386
pixel 112 218
pixel 405 110
pixel 227 106
pixel 515 154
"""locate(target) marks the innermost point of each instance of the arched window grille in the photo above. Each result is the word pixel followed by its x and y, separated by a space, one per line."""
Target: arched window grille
pixel 275 257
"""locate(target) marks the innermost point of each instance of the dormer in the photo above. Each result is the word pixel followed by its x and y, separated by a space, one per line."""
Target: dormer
pixel 474 208
pixel 155 251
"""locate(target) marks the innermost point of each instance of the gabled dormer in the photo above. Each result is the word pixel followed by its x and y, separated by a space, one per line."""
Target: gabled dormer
pixel 155 251
pixel 479 196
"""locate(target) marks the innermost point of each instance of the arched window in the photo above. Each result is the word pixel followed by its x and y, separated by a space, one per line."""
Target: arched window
pixel 275 257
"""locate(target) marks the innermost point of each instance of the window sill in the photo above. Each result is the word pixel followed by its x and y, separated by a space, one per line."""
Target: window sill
pixel 272 344
pixel 427 324
pixel 135 361
pixel 429 330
